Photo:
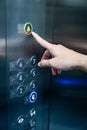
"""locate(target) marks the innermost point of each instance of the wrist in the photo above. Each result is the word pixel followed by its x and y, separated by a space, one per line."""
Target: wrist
pixel 82 62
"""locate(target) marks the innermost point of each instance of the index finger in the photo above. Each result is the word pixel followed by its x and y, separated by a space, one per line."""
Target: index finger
pixel 41 41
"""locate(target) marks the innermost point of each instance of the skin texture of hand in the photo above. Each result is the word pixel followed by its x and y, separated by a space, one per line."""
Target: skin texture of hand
pixel 59 57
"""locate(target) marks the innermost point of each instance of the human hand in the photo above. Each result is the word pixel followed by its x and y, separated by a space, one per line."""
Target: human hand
pixel 57 57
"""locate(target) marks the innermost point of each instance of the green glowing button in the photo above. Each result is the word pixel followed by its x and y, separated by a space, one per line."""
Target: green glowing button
pixel 28 28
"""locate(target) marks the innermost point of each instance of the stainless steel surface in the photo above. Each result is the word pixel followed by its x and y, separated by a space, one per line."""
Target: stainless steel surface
pixel 3 98
pixel 69 95
pixel 58 21
pixel 70 24
pixel 17 96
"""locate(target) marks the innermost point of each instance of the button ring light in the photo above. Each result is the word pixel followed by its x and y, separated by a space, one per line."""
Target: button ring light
pixel 28 28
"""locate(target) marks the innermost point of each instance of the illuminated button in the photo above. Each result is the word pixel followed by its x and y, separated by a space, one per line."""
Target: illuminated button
pixel 33 60
pixel 20 77
pixel 33 97
pixel 32 112
pixel 20 120
pixel 28 28
pixel 20 63
pixel 33 72
pixel 33 85
pixel 20 90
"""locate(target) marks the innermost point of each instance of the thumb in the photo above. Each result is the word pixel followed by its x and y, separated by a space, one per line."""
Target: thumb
pixel 45 63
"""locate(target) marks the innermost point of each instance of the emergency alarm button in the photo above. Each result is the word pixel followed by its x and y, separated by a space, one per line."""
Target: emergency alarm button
pixel 28 28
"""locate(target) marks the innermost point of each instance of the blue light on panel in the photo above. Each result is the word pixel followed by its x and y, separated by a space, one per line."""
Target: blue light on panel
pixel 71 82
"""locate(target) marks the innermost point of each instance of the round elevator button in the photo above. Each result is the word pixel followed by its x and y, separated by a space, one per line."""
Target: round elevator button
pixel 33 85
pixel 33 73
pixel 28 28
pixel 32 112
pixel 33 60
pixel 33 97
pixel 20 63
pixel 20 77
pixel 20 90
pixel 20 120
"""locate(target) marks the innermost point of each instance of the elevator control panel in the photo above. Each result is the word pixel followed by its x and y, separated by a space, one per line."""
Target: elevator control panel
pixel 23 81
pixel 27 84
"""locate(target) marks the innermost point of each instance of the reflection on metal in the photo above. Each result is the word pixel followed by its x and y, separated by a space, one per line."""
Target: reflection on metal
pixel 71 82
pixel 75 2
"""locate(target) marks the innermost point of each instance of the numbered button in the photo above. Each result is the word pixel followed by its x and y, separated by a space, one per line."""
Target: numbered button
pixel 20 90
pixel 20 64
pixel 33 85
pixel 21 77
pixel 32 112
pixel 20 120
pixel 33 60
pixel 32 123
pixel 33 73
